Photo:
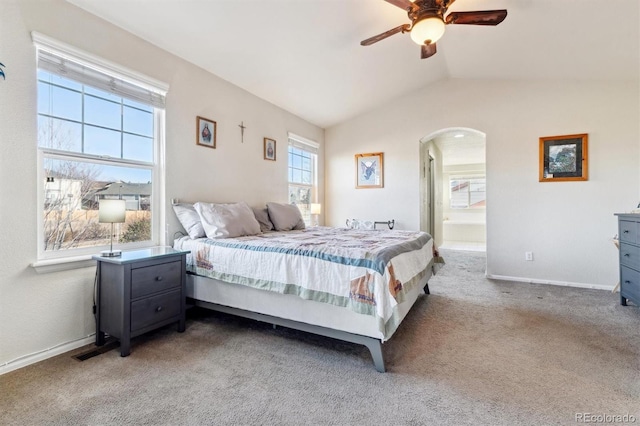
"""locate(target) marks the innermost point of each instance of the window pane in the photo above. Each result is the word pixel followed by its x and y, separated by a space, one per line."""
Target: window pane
pixel 306 178
pixel 73 190
pixel 102 113
pixel 297 162
pixel 137 105
pixel 59 134
pixel 59 102
pixel 58 80
pixel 99 141
pixel 102 94
pixel 306 163
pixel 136 121
pixel 297 176
pixel 301 196
pixel 137 148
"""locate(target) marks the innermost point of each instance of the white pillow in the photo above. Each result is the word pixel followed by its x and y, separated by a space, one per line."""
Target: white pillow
pixel 189 219
pixel 227 220
pixel 285 217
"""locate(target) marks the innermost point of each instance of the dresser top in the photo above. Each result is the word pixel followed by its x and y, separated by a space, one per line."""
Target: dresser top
pixel 630 215
pixel 144 254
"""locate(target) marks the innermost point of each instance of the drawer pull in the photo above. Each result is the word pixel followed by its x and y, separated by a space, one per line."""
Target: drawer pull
pixel 626 231
pixel 159 308
pixel 626 255
pixel 627 282
pixel 159 278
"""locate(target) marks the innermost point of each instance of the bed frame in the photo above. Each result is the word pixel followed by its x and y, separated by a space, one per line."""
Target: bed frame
pixel 372 343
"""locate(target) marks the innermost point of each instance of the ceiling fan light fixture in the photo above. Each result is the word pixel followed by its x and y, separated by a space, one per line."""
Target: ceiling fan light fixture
pixel 427 30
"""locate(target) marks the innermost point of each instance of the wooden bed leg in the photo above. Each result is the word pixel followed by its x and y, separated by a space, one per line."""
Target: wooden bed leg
pixel 426 289
pixel 375 347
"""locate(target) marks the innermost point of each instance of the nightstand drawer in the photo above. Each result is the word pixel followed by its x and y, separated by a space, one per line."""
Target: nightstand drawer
pixel 630 256
pixel 630 283
pixel 152 279
pixel 628 231
pixel 152 310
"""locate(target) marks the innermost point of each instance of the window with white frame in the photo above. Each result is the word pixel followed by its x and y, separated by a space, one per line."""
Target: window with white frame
pixel 100 137
pixel 468 192
pixel 303 163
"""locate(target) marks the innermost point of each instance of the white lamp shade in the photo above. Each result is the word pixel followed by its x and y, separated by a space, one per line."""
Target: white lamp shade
pixel 316 208
pixel 112 211
pixel 428 30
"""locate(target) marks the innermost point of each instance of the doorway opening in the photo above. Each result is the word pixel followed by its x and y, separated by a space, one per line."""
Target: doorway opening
pixel 453 188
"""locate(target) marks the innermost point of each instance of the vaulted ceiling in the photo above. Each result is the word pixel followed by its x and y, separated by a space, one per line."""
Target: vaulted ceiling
pixel 305 55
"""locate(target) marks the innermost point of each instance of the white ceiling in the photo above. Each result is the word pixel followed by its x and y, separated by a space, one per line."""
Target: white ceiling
pixel 461 147
pixel 305 55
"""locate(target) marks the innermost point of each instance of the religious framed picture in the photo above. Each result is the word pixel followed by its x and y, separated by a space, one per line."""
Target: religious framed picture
pixel 269 149
pixel 564 158
pixel 205 132
pixel 369 170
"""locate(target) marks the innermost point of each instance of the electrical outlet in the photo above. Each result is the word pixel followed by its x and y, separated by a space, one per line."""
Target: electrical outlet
pixel 528 255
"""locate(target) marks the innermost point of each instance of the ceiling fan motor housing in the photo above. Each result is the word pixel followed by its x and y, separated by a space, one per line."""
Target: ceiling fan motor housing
pixel 427 21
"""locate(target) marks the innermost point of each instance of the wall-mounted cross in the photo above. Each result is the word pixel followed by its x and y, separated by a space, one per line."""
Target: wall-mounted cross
pixel 242 127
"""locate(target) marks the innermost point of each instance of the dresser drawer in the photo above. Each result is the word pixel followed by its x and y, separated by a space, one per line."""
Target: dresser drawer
pixel 628 231
pixel 630 256
pixel 152 279
pixel 154 309
pixel 630 283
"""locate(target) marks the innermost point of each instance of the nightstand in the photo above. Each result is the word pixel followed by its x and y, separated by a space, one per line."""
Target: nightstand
pixel 629 234
pixel 139 291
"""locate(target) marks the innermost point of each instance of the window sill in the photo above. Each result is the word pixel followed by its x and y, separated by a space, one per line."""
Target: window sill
pixel 46 266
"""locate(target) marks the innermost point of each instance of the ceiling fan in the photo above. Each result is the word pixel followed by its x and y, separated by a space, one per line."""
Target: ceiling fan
pixel 428 22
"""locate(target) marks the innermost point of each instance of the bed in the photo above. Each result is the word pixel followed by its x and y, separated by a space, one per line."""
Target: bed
pixel 349 284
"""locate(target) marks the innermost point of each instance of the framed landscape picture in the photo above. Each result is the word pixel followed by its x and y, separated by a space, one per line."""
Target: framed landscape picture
pixel 205 132
pixel 564 158
pixel 269 149
pixel 369 170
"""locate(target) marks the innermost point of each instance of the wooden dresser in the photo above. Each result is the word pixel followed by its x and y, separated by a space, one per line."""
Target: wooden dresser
pixel 629 234
pixel 139 291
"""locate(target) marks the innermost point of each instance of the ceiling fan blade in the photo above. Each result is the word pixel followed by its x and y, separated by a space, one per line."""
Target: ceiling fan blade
pixel 480 17
pixel 428 50
pixel 375 39
pixel 405 5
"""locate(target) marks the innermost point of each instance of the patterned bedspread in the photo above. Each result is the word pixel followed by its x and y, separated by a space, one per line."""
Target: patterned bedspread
pixel 368 272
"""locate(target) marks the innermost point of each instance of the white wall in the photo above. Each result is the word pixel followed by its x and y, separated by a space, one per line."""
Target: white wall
pixel 568 225
pixel 38 312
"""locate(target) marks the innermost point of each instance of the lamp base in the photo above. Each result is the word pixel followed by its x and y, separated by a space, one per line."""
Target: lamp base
pixel 111 253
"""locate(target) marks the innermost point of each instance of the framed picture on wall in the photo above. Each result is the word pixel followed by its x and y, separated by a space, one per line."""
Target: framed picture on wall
pixel 369 170
pixel 205 132
pixel 269 149
pixel 563 158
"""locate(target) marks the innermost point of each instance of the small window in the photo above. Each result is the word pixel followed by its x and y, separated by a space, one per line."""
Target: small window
pixel 303 175
pixel 467 193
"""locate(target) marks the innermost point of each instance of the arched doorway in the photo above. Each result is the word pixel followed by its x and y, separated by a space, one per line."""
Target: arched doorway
pixel 453 188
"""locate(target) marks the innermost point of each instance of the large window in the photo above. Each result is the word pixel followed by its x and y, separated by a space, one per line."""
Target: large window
pixel 99 137
pixel 468 192
pixel 303 174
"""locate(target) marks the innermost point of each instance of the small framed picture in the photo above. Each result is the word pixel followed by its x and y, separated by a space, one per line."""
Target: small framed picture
pixel 269 149
pixel 369 171
pixel 563 158
pixel 205 132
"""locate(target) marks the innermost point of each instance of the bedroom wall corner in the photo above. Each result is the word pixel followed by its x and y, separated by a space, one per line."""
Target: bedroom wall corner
pixel 568 225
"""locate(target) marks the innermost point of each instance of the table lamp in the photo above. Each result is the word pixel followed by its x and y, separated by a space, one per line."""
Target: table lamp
pixel 111 211
pixel 316 209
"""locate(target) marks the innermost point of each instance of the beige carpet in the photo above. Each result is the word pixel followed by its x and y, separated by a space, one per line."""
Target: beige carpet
pixel 475 351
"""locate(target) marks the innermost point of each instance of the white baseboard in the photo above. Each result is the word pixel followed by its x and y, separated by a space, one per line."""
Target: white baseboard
pixel 25 360
pixel 551 282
